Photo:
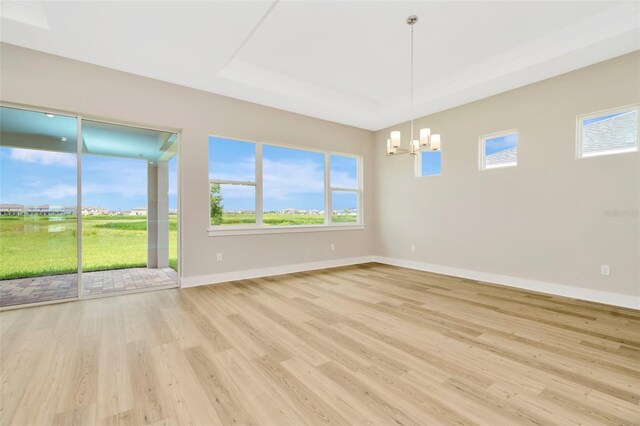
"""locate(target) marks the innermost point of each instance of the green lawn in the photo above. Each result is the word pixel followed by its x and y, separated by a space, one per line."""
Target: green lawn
pixel 274 219
pixel 39 245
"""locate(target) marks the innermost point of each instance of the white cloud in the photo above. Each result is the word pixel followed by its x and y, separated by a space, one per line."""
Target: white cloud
pixel 237 191
pixel 240 170
pixel 60 193
pixel 284 179
pixel 45 158
pixel 121 189
pixel 122 178
pixel 57 192
pixel 343 180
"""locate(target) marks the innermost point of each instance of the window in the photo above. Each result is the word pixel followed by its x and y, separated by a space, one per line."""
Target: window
pixel 264 186
pixel 293 182
pixel 429 163
pixel 499 150
pixel 608 132
pixel 232 182
pixel 345 189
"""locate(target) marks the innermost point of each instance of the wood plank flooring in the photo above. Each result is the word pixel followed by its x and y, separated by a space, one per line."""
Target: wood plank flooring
pixel 368 344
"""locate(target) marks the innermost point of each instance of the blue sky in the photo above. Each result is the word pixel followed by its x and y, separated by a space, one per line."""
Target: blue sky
pixel 431 163
pixel 596 119
pixel 42 177
pixel 500 143
pixel 292 178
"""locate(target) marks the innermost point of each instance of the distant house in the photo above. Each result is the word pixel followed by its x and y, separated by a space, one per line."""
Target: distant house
pixel 289 211
pixel 138 211
pixel 70 210
pixel 94 211
pixel 11 209
pixel 43 210
pixel 50 210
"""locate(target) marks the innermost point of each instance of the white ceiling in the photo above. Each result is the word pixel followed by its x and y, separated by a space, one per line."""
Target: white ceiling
pixel 346 62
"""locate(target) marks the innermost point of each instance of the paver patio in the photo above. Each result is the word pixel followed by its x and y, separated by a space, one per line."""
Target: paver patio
pixel 56 287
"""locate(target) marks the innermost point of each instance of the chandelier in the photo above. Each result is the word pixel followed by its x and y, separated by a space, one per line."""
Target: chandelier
pixel 426 141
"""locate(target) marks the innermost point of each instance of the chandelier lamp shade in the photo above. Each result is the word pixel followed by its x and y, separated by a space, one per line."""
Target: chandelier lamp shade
pixel 425 141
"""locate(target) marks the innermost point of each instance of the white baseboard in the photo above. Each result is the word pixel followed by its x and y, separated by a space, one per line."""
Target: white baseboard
pixel 608 298
pixel 616 299
pixel 270 271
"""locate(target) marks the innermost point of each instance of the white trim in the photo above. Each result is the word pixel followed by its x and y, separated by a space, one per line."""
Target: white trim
pixel 179 208
pixel 223 277
pixel 599 296
pixel 328 194
pixel 338 189
pixel 259 186
pixel 608 152
pixel 232 182
pixel 501 166
pixel 79 218
pixel 228 230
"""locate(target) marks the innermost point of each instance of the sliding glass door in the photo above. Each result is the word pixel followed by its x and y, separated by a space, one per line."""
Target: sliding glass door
pixel 126 221
pixel 121 193
pixel 38 207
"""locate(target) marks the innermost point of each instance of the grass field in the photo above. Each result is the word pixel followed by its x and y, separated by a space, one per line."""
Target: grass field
pixel 40 245
pixel 274 219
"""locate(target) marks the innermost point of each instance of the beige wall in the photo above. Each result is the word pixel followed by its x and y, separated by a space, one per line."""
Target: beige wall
pixel 38 79
pixel 543 220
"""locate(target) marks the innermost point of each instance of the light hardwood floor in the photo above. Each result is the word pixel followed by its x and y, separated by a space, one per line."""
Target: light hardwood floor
pixel 369 344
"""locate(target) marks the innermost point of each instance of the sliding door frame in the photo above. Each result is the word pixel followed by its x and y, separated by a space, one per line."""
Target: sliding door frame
pixel 79 118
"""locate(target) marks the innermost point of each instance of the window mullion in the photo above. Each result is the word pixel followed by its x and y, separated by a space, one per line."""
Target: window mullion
pixel 360 176
pixel 327 190
pixel 259 184
pixel 232 182
pixel 336 188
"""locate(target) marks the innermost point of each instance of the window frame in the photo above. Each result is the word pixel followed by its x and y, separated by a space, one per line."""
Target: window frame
pixel 482 156
pixel 418 165
pixel 580 118
pixel 253 183
pixel 330 189
pixel 259 227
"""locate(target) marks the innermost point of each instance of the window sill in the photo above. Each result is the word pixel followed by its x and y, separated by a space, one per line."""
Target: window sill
pixel 231 231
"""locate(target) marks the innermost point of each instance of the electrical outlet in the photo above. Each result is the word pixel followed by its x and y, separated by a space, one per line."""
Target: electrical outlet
pixel 219 257
pixel 605 270
pixel 413 247
pixel 332 247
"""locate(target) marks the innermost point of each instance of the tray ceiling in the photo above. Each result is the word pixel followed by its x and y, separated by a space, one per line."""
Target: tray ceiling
pixel 346 62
